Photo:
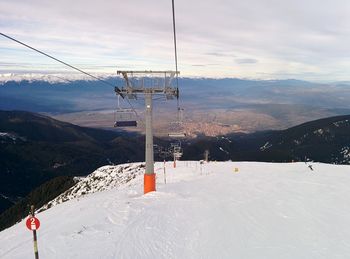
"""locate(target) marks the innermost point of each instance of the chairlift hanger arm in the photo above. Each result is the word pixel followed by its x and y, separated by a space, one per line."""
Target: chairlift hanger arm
pixel 118 92
pixel 161 85
pixel 148 90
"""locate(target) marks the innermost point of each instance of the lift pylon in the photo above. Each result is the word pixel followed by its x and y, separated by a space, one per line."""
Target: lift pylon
pixel 148 84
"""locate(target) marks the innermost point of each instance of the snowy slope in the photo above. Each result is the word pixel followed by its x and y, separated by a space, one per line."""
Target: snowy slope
pixel 262 211
pixel 104 178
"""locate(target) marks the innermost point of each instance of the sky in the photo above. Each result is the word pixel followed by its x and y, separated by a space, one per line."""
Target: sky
pixel 255 39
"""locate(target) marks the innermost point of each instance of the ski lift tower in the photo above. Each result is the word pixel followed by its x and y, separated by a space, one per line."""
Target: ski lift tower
pixel 148 84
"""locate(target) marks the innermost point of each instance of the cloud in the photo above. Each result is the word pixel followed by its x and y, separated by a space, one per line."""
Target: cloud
pixel 309 37
pixel 219 54
pixel 246 60
pixel 198 65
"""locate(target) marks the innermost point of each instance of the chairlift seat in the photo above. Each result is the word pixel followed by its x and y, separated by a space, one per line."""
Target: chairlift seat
pixel 125 118
pixel 125 124
pixel 177 155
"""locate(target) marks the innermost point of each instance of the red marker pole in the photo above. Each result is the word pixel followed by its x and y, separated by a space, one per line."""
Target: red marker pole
pixel 33 224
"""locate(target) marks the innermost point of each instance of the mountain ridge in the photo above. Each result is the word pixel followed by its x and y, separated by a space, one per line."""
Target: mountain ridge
pixel 36 148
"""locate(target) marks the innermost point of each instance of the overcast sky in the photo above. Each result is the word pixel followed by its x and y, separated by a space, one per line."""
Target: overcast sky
pixel 260 39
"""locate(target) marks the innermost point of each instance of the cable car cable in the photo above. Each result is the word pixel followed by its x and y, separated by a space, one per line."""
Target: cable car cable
pixel 174 31
pixel 176 67
pixel 73 67
pixel 60 61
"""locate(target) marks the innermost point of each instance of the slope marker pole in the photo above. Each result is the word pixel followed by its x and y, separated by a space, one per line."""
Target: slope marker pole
pixel 164 172
pixel 33 224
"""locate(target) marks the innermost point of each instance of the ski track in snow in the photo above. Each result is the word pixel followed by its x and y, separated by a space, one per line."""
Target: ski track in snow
pixel 264 210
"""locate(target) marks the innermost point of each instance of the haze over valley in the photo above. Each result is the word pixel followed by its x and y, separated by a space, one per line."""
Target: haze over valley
pixel 211 106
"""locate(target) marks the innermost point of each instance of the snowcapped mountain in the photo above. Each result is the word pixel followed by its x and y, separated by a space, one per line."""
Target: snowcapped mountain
pixel 50 78
pixel 214 210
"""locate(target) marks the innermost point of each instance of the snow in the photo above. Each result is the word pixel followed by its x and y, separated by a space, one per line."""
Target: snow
pixel 104 178
pixel 226 139
pixel 5 136
pixel 297 142
pixel 51 77
pixel 319 132
pixel 345 151
pixel 325 134
pixel 264 210
pixel 267 145
pixel 3 196
pixel 340 123
pixel 223 150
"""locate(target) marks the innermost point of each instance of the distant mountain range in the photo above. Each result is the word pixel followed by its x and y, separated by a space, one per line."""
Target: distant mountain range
pixel 39 156
pixel 47 77
pixel 251 104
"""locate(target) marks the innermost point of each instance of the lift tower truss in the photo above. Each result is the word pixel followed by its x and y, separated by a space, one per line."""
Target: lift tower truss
pixel 148 84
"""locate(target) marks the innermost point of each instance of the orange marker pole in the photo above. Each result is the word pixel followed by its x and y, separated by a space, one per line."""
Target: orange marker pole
pixel 149 183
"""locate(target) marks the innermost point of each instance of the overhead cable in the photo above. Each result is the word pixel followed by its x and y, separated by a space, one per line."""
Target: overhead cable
pixel 73 67
pixel 174 31
pixel 176 68
pixel 60 61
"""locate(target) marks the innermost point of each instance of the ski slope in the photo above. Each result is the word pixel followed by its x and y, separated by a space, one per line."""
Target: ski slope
pixel 264 210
